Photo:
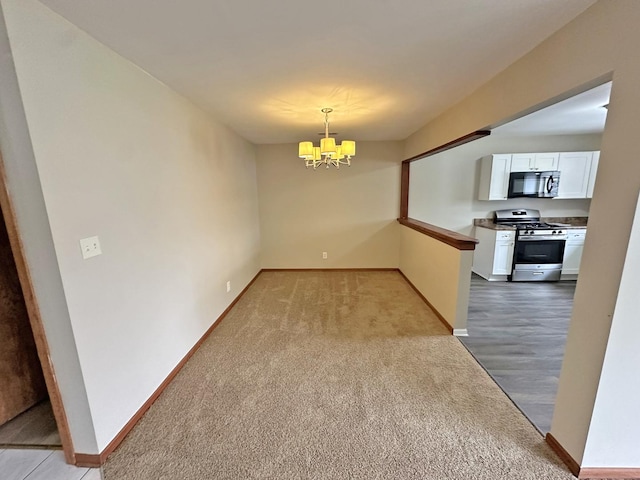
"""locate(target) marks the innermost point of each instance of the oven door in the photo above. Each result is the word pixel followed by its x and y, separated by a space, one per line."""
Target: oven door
pixel 537 260
pixel 537 252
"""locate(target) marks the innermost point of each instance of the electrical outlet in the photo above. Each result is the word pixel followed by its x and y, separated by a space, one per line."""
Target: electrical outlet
pixel 90 247
pixel 324 255
pixel 229 286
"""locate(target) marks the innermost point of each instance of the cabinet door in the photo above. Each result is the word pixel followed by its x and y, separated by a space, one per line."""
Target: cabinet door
pixel 592 173
pixel 574 174
pixel 546 161
pixel 494 177
pixel 572 257
pixel 503 257
pixel 522 162
pixel 573 251
pixel 499 184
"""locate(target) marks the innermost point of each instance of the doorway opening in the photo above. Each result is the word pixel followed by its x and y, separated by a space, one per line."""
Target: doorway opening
pixel 28 333
pixel 517 330
pixel 26 415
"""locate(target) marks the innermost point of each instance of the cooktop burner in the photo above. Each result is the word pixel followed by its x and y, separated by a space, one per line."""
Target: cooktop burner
pixel 531 226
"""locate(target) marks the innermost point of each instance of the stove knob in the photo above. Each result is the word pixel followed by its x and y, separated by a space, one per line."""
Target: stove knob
pixel 554 232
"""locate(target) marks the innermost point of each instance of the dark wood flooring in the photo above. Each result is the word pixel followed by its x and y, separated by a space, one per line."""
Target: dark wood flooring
pixel 517 332
pixel 34 428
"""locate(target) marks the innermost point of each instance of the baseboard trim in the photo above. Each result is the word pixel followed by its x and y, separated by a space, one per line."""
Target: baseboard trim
pixel 460 332
pixel 566 458
pixel 330 270
pixel 96 460
pixel 429 304
pixel 609 473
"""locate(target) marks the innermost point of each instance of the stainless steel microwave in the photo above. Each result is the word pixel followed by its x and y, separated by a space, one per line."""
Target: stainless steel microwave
pixel 534 184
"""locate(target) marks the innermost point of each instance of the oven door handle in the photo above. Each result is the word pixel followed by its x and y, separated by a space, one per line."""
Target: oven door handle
pixel 547 239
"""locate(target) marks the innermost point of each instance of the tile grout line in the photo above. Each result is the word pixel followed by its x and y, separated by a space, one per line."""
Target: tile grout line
pixel 89 470
pixel 36 467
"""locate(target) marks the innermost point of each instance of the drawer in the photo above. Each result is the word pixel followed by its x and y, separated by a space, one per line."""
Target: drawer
pixel 505 235
pixel 576 235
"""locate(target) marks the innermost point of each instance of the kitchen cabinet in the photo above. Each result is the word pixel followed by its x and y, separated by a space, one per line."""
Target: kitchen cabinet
pixel 493 257
pixel 575 170
pixel 494 177
pixel 573 252
pixel 595 160
pixel 577 178
pixel 525 162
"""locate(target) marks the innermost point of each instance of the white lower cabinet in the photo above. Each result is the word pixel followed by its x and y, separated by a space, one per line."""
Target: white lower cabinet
pixel 493 256
pixel 573 252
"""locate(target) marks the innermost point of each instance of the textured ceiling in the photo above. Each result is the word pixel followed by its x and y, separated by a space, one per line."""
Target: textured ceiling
pixel 267 68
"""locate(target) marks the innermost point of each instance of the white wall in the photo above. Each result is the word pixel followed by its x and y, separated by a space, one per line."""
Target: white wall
pixel 23 185
pixel 613 433
pixel 349 213
pixel 171 193
pixel 444 187
pixel 598 45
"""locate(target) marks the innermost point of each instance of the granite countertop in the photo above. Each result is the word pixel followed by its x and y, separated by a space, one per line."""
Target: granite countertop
pixel 570 222
pixel 489 223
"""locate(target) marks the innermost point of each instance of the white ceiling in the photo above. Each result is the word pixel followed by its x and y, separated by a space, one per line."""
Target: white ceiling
pixel 266 68
pixel 581 114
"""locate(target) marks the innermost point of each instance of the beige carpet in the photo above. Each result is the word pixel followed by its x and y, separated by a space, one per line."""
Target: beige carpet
pixel 329 375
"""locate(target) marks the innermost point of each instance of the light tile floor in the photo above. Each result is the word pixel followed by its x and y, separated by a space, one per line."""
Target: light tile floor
pixel 36 464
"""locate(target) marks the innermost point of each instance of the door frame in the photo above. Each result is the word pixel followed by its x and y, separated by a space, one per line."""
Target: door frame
pixel 35 318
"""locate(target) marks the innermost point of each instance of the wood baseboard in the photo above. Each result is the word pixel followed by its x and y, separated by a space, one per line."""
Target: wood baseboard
pixel 566 458
pixel 429 304
pixel 96 460
pixel 330 270
pixel 609 473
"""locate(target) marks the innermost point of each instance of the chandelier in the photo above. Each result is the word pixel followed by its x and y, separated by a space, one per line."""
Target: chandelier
pixel 328 153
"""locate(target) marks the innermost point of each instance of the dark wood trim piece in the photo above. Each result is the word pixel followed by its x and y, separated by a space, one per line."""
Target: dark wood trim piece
pixel 95 460
pixel 455 239
pixel 90 460
pixel 610 473
pixel 566 458
pixel 429 304
pixel 35 319
pixel 449 145
pixel 404 189
pixel 329 270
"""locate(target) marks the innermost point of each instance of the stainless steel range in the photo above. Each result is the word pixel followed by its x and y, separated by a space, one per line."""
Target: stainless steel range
pixel 539 247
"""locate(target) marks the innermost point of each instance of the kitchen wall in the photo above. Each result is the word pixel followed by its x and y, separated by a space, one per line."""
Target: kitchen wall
pixel 349 213
pixel 171 193
pixel 444 187
pixel 599 45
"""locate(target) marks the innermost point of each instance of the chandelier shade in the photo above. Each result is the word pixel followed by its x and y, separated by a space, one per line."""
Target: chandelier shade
pixel 305 150
pixel 328 153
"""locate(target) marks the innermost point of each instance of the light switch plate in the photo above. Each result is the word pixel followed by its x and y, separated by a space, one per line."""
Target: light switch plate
pixel 90 247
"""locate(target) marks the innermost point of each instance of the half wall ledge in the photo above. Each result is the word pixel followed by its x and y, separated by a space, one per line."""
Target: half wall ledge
pixel 455 239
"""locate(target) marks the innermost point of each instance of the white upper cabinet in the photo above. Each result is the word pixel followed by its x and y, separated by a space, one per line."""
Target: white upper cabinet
pixel 575 169
pixel 494 177
pixel 592 173
pixel 577 172
pixel 525 162
pixel 522 162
